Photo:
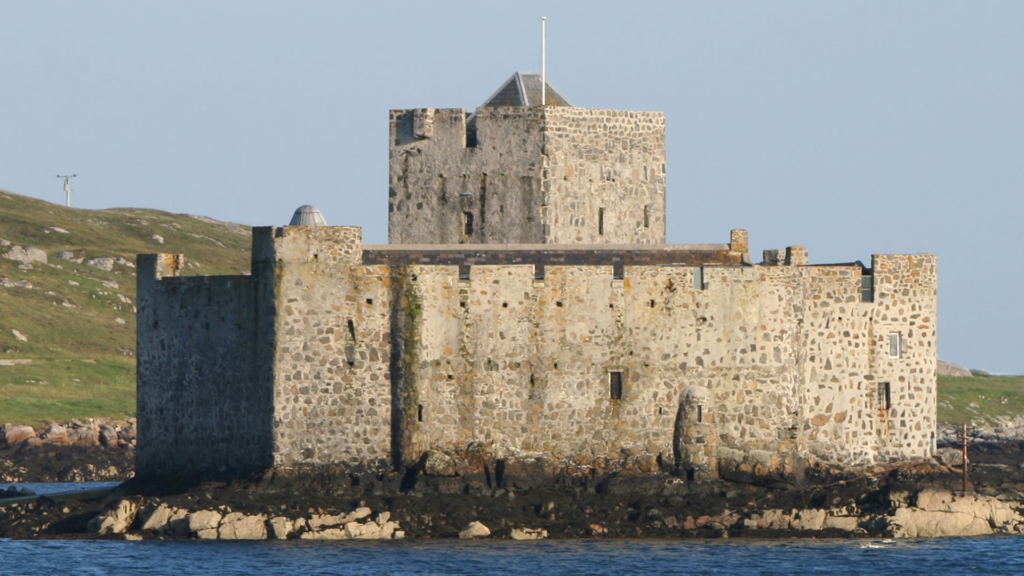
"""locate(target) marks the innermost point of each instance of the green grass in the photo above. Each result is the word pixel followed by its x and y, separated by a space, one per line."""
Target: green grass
pixel 76 312
pixel 981 400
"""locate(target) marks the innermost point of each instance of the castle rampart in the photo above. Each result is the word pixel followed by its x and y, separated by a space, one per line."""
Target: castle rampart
pixel 710 368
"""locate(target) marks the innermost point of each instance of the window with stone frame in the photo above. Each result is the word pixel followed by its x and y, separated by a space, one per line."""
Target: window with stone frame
pixel 895 345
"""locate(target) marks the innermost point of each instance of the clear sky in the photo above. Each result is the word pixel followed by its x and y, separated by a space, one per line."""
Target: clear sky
pixel 849 127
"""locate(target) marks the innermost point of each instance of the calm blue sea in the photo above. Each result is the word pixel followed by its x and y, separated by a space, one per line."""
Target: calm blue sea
pixel 1002 555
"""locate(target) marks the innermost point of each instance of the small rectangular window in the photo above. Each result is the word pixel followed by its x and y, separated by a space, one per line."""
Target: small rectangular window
pixel 698 278
pixel 538 271
pixel 884 396
pixel 464 271
pixel 700 413
pixel 647 216
pixel 895 345
pixel 867 288
pixel 419 413
pixel 618 271
pixel 615 378
pixel 467 223
pixel 600 221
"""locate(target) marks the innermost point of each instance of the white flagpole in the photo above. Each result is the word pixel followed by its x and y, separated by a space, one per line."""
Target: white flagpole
pixel 543 60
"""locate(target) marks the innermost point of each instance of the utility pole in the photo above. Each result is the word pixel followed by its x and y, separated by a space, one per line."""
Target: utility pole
pixel 67 187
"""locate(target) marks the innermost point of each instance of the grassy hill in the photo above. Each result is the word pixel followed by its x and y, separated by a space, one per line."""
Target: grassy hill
pixel 78 321
pixel 983 400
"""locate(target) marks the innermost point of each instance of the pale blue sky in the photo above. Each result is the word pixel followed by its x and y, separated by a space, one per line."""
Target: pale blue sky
pixel 851 128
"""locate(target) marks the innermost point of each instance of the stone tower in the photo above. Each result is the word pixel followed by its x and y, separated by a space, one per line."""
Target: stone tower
pixel 515 172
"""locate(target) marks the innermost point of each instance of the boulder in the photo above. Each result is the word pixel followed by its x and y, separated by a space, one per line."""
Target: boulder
pixel 87 435
pixel 914 523
pixel 328 534
pixel 55 434
pixel 436 463
pixel 68 256
pixel 845 523
pixel 475 530
pixel 26 255
pixel 155 518
pixel 238 526
pixel 104 263
pixel 279 527
pixel 157 238
pixel 203 520
pixel 811 519
pixel 108 436
pixel 528 534
pixel 18 434
pixel 114 520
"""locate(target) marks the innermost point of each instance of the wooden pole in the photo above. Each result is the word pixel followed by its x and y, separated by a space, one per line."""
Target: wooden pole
pixel 965 457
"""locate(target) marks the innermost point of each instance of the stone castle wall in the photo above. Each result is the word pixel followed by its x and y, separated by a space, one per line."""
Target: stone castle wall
pixel 203 395
pixel 726 369
pixel 550 175
pixel 332 388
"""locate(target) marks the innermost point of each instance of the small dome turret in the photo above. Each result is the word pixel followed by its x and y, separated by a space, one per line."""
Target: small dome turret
pixel 307 215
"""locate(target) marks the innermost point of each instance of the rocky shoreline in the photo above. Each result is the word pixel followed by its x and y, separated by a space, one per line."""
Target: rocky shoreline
pixel 94 450
pixel 455 496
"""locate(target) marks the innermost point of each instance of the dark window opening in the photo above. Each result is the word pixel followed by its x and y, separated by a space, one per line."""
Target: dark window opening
pixel 464 270
pixel 700 413
pixel 369 301
pixel 652 303
pixel 616 385
pixel 647 216
pixel 867 288
pixel 600 221
pixel 451 376
pixel 352 329
pixel 690 474
pixel 559 303
pixel 467 223
pixel 504 304
pixel 538 272
pixel 532 381
pixel 618 271
pixel 419 413
pixel 884 396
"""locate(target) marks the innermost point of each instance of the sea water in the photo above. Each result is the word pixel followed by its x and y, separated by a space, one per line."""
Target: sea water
pixel 992 555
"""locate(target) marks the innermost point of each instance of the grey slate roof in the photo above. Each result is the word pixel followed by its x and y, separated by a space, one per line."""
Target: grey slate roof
pixel 523 89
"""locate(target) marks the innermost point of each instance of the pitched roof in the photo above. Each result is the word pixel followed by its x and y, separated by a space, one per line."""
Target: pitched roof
pixel 523 89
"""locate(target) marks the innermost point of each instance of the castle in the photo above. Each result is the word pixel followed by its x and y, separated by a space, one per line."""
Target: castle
pixel 527 306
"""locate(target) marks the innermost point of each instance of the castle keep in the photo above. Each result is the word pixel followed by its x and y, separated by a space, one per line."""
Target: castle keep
pixel 527 307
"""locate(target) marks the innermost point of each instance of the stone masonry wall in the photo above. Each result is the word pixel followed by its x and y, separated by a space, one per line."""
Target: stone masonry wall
pixel 332 388
pixel 535 176
pixel 203 393
pixel 725 369
pixel 522 366
pixel 604 176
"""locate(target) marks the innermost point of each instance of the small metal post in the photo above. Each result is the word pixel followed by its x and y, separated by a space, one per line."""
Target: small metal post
pixel 965 457
pixel 543 60
pixel 67 187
